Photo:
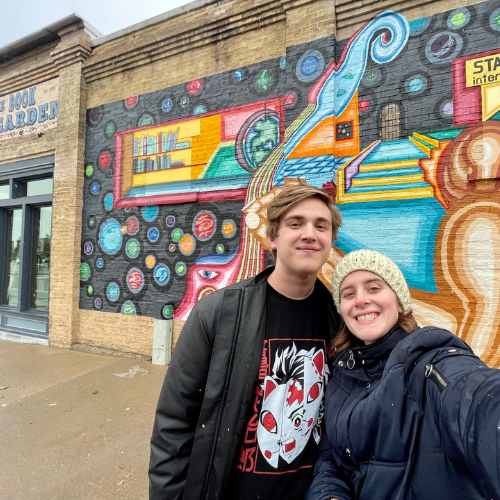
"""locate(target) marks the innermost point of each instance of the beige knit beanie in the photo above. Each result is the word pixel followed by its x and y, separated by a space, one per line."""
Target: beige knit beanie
pixel 375 262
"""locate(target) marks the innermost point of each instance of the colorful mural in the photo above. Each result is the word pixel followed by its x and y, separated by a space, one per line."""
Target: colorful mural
pixel 400 124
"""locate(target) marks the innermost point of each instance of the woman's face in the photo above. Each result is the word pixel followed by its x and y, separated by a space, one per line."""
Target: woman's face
pixel 368 305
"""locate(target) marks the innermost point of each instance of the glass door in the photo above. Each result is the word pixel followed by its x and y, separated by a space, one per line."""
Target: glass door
pixel 42 230
pixel 10 293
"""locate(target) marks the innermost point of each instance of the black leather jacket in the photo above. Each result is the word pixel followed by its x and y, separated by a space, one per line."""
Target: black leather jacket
pixel 208 391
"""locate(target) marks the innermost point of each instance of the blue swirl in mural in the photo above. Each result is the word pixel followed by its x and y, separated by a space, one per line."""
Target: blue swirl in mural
pixel 343 81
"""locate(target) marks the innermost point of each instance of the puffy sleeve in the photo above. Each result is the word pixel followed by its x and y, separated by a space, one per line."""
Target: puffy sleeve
pixel 467 400
pixel 178 410
pixel 328 482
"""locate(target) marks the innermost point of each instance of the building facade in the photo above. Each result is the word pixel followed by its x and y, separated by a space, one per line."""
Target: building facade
pixel 167 141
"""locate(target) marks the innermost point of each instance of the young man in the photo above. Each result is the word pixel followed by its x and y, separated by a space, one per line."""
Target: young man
pixel 240 413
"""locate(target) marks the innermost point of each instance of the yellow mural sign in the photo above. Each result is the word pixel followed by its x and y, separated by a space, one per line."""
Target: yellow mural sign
pixel 485 72
pixel 29 111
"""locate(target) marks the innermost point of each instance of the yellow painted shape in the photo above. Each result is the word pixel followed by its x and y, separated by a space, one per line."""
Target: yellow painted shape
pixel 423 147
pixel 482 70
pixel 389 165
pixel 205 144
pixel 374 181
pixel 160 176
pixel 491 100
pixel 430 140
pixel 425 192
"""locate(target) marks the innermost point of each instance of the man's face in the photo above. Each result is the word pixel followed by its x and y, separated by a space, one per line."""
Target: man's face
pixel 304 238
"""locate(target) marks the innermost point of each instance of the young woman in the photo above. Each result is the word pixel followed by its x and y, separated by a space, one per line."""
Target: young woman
pixel 409 413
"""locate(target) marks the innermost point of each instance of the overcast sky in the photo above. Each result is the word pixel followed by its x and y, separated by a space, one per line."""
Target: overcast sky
pixel 21 18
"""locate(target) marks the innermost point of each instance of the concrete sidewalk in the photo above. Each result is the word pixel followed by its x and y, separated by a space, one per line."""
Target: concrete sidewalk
pixel 74 425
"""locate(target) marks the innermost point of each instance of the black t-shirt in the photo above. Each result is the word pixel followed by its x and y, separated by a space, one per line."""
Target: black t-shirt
pixel 281 442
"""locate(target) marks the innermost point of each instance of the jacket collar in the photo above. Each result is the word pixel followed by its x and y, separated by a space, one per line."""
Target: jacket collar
pixel 368 361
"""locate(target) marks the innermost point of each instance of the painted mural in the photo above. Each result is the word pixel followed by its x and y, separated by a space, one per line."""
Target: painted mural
pixel 400 124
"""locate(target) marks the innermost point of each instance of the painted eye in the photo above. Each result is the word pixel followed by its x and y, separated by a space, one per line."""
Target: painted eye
pixel 268 422
pixel 314 392
pixel 208 275
pixel 297 421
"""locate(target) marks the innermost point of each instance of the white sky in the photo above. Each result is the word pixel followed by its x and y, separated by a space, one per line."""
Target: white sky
pixel 21 18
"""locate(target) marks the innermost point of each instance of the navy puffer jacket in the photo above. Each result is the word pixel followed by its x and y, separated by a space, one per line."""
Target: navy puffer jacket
pixel 410 417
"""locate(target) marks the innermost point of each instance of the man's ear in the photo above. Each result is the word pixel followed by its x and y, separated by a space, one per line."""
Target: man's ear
pixel 272 243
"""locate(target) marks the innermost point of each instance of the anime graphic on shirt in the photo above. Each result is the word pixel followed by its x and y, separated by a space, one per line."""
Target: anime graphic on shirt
pixel 292 403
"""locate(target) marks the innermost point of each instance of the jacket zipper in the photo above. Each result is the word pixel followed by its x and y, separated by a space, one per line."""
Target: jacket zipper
pixel 432 372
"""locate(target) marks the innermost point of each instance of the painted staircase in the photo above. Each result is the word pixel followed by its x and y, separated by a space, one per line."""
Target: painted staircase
pixel 387 171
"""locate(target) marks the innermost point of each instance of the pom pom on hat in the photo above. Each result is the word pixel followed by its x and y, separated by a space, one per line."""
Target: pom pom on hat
pixel 375 262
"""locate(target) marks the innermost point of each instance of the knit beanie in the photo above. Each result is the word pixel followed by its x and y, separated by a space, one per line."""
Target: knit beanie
pixel 375 262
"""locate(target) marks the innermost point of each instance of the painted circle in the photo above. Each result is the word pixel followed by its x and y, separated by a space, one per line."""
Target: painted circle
pixel 170 220
pixel 228 228
pixel 109 129
pixel 443 47
pixel 99 263
pixel 416 84
pixel 89 170
pixel 145 120
pixel 153 234
pixel 132 225
pixel 194 86
pixel 310 66
pixel 363 105
pixel 184 102
pixel 84 272
pixel 446 108
pixel 187 244
pixel 264 80
pixel 200 109
pixel 204 225
pixel 110 237
pixel 283 62
pixel 220 249
pixel 150 212
pixel 90 289
pixel 238 76
pixel 94 115
pixel 171 247
pixel 92 222
pixel 180 268
pixel 495 20
pixel 98 302
pixel 105 160
pixel 161 274
pixel 132 248
pixel 418 26
pixel 108 201
pixel 167 311
pixel 113 291
pixel 95 187
pixel 130 102
pixel 459 18
pixel 372 77
pixel 166 105
pixel 88 248
pixel 290 99
pixel 128 307
pixel 177 234
pixel 150 261
pixel 135 280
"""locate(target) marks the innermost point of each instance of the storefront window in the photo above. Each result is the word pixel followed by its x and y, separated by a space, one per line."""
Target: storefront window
pixel 13 256
pixel 42 228
pixel 4 191
pixel 42 186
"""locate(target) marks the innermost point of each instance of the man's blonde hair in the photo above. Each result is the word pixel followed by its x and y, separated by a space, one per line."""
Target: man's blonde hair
pixel 291 196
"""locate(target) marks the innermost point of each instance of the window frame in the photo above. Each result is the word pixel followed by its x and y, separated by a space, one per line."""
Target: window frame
pixel 14 174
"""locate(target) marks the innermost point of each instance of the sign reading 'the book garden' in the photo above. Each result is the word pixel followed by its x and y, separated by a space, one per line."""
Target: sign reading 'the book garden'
pixel 29 111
